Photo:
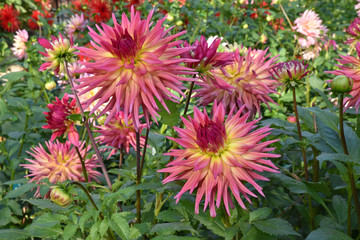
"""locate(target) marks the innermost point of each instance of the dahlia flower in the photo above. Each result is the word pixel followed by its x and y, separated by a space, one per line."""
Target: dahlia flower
pixel 357 7
pixel 19 48
pixel 100 10
pixel 60 162
pixel 246 82
pixel 57 119
pixel 219 155
pixel 119 135
pixel 311 53
pixel 310 26
pixel 290 74
pixel 354 31
pixel 76 25
pixel 34 19
pixel 9 18
pixel 132 64
pixel 350 68
pixel 206 55
pixel 56 53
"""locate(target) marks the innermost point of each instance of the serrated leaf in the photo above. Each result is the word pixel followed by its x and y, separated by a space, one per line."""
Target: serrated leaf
pixel 329 118
pixel 306 117
pixel 86 216
pixel 20 190
pixel 172 237
pixel 139 229
pixel 254 234
pixel 327 234
pixel 171 119
pixel 168 228
pixel 341 157
pixel 50 229
pixel 15 75
pixel 275 227
pixel 120 225
pixel 69 231
pixel 14 234
pixel 340 206
pixel 5 214
pixel 259 214
pixel 104 225
pixel 45 204
pixel 215 225
pixel 169 216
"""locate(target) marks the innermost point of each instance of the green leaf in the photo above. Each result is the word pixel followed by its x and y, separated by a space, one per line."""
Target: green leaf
pixel 335 157
pixel 327 234
pixel 69 231
pixel 172 237
pixel 254 234
pixel 314 195
pixel 86 216
pixel 169 216
pixel 330 136
pixel 15 75
pixel 169 119
pixel 45 204
pixel 326 99
pixel 306 117
pixel 104 225
pixel 14 234
pixel 215 225
pixel 169 228
pixel 5 214
pixel 149 186
pixel 139 229
pixel 120 225
pixel 329 118
pixel 275 227
pixel 47 229
pixel 316 82
pixel 259 214
pixel 340 206
pixel 20 190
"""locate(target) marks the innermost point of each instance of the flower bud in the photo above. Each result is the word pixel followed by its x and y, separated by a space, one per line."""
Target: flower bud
pixel 61 195
pixel 50 85
pixel 170 18
pixel 179 23
pixel 245 26
pixel 341 84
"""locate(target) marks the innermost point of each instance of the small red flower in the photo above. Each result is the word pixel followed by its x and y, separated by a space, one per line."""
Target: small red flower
pixel 58 121
pixel 9 18
pixel 100 10
pixel 32 22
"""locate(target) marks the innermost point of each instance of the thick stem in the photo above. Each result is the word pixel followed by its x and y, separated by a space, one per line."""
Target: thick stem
pixel 93 143
pixel 82 164
pixel 138 179
pixel 120 160
pixel 300 135
pixel 349 166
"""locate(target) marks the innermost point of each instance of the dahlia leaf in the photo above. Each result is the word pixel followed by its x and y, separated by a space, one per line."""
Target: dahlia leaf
pixel 138 230
pixel 216 226
pixel 335 157
pixel 256 234
pixel 86 216
pixel 340 206
pixel 169 216
pixel 20 190
pixel 172 237
pixel 329 118
pixel 69 231
pixel 330 136
pixel 14 234
pixel 15 75
pixel 259 214
pixel 5 214
pixel 276 227
pixel 104 225
pixel 120 225
pixel 329 104
pixel 45 229
pixel 169 228
pixel 327 234
pixel 306 117
pixel 353 142
pixel 171 119
pixel 46 204
pixel 316 82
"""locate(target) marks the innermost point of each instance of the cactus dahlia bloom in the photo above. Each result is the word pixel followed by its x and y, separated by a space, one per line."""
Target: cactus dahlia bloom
pixel 19 48
pixel 100 10
pixel 354 31
pixel 60 162
pixel 57 119
pixel 133 65
pixel 56 53
pixel 76 25
pixel 119 134
pixel 350 68
pixel 206 55
pixel 246 82
pixel 9 18
pixel 290 74
pixel 219 155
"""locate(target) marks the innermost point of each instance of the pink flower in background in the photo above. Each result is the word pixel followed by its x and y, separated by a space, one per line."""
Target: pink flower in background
pixel 133 65
pixel 19 47
pixel 349 66
pixel 57 119
pixel 354 31
pixel 357 7
pixel 246 82
pixel 120 135
pixel 311 53
pixel 310 25
pixel 60 162
pixel 291 119
pixel 220 155
pixel 76 25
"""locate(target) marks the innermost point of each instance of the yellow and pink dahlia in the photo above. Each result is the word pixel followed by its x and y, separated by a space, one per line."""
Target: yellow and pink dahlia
pixel 19 45
pixel 220 156
pixel 350 68
pixel 119 134
pixel 133 65
pixel 246 82
pixel 60 162
pixel 76 25
pixel 58 121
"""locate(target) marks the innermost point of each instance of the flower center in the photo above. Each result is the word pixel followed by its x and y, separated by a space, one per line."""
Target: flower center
pixel 211 137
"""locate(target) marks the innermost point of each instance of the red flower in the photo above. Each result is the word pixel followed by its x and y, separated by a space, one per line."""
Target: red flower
pixel 80 5
pixel 8 18
pixel 32 22
pixel 100 10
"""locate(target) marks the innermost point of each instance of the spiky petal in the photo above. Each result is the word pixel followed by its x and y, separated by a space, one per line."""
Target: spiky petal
pixel 9 18
pixel 133 65
pixel 220 155
pixel 349 66
pixel 76 25
pixel 57 119
pixel 19 45
pixel 246 82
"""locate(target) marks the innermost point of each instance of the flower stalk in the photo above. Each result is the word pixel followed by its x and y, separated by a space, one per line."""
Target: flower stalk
pixel 82 164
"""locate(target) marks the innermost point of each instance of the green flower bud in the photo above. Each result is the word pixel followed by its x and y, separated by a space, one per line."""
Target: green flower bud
pixel 50 85
pixel 61 195
pixel 341 84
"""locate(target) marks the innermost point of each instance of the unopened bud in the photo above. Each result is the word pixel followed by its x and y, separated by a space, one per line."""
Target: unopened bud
pixel 170 18
pixel 341 84
pixel 245 26
pixel 179 23
pixel 50 85
pixel 61 196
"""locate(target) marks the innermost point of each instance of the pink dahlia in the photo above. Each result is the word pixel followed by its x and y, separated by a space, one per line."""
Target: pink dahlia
pixel 60 162
pixel 119 134
pixel 246 82
pixel 350 68
pixel 310 26
pixel 19 47
pixel 56 53
pixel 132 66
pixel 76 25
pixel 205 55
pixel 219 155
pixel 357 8
pixel 57 119
pixel 290 74
pixel 354 31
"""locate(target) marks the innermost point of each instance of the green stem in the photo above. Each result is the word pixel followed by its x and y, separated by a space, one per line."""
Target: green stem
pixel 46 95
pixel 82 164
pixel 120 160
pixel 93 143
pixel 349 166
pixel 144 152
pixel 138 179
pixel 349 213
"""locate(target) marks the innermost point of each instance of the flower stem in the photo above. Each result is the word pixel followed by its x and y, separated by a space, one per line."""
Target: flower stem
pixel 286 16
pixel 144 152
pixel 120 160
pixel 348 165
pixel 82 164
pixel 93 143
pixel 138 179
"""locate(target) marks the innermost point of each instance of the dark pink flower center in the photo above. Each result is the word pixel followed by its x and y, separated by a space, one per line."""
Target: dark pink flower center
pixel 211 136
